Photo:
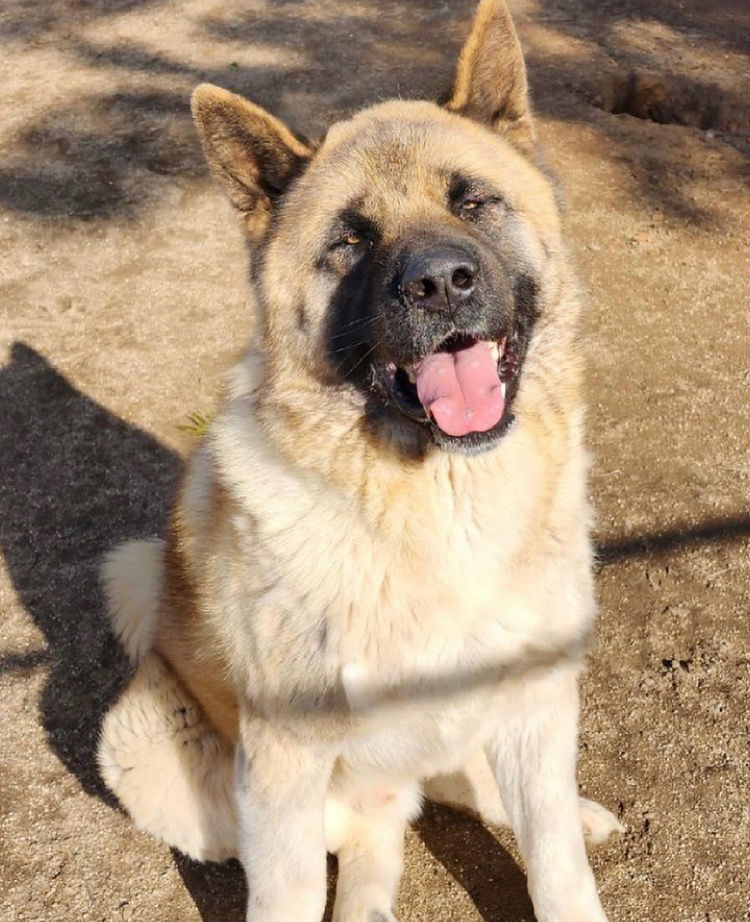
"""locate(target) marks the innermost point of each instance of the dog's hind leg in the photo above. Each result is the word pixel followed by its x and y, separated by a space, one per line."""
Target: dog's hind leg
pixel 366 831
pixel 168 767
pixel 473 788
pixel 157 752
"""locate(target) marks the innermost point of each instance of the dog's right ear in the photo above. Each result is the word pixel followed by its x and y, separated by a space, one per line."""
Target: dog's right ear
pixel 252 154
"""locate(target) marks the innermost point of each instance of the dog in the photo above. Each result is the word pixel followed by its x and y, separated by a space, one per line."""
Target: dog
pixel 377 580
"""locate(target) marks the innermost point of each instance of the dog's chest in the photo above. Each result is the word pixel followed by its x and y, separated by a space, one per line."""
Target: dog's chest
pixel 420 585
pixel 434 592
pixel 443 604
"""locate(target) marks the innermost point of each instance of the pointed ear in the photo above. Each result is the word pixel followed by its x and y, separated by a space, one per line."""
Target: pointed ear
pixel 252 154
pixel 490 85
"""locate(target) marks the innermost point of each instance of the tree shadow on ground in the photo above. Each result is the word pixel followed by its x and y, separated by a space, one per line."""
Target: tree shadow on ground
pixel 727 530
pixel 627 92
pixel 103 156
pixel 106 154
pixel 28 21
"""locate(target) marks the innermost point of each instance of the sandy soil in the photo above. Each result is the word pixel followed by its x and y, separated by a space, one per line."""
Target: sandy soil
pixel 123 296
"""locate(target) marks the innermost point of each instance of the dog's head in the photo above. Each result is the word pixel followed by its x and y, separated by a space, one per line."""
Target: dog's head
pixel 402 264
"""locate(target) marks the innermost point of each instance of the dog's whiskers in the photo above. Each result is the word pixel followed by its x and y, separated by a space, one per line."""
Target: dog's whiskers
pixel 346 330
pixel 359 361
pixel 362 342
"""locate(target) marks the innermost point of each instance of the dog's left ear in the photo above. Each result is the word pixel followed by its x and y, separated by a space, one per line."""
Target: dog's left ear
pixel 490 85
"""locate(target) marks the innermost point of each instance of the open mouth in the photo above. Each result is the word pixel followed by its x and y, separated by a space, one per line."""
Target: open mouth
pixel 463 388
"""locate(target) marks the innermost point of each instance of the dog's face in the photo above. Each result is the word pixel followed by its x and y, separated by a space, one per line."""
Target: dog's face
pixel 402 261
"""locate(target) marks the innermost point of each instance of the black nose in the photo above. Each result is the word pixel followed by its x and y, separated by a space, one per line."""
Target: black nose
pixel 438 279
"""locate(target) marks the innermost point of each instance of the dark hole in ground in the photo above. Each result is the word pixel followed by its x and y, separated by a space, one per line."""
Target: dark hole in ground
pixel 669 99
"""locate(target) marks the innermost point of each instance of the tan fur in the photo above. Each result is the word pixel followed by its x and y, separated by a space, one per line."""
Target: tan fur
pixel 342 617
pixel 229 128
pixel 169 767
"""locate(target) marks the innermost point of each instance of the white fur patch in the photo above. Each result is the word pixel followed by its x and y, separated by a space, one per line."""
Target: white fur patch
pixel 598 822
pixel 132 577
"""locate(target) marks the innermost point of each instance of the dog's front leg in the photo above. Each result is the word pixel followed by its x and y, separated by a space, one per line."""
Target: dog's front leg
pixel 282 778
pixel 533 753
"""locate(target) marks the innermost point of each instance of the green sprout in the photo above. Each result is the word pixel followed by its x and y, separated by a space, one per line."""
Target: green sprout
pixel 197 423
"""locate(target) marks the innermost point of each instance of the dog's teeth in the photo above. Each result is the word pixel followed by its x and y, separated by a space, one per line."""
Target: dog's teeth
pixel 503 388
pixel 411 376
pixel 495 351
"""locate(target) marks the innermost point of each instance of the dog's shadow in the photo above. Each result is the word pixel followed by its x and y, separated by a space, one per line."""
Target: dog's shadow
pixel 478 862
pixel 74 480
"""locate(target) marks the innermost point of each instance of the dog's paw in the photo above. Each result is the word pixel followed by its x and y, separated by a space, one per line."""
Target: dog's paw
pixel 363 911
pixel 598 822
pixel 372 915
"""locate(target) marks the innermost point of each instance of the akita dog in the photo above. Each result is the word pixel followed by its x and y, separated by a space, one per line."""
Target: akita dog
pixel 378 571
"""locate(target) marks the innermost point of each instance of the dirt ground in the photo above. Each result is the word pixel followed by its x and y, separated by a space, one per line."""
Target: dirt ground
pixel 123 297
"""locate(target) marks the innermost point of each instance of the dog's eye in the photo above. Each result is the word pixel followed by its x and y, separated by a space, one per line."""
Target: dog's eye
pixel 354 240
pixel 351 240
pixel 471 209
pixel 348 250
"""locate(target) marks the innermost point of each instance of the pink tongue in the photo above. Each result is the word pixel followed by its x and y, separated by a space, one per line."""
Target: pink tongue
pixel 461 390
